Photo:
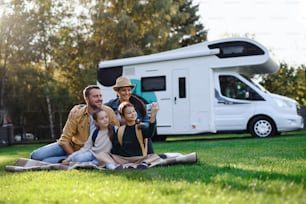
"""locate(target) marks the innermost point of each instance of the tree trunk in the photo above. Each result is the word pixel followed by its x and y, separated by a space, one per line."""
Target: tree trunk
pixel 3 70
pixel 2 85
pixel 50 113
pixel 1 101
pixel 2 92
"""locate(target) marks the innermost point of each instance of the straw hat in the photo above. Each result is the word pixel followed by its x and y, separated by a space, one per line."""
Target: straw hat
pixel 122 82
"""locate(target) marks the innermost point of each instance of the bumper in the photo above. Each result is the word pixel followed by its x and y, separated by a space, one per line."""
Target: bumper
pixel 290 123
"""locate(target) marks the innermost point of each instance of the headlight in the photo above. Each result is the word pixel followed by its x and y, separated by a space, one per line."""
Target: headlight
pixel 298 109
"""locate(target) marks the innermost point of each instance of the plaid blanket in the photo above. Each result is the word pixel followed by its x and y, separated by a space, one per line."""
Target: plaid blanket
pixel 24 164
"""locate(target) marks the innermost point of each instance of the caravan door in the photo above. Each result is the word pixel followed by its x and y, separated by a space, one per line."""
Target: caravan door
pixel 181 111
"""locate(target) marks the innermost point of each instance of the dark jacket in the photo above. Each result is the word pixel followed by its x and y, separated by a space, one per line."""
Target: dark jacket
pixel 130 145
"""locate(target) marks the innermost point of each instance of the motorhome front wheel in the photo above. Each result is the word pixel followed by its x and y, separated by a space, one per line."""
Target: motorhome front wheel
pixel 262 127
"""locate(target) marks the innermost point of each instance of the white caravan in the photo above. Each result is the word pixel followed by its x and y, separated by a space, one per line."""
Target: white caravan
pixel 206 87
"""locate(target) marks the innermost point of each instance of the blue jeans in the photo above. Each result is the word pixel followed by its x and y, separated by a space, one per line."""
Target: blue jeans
pixel 52 153
pixel 84 157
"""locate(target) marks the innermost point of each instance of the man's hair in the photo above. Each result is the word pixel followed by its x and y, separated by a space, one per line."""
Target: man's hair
pixel 87 90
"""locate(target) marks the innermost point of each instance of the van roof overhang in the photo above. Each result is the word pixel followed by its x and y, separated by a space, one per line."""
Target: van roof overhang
pixel 258 66
pixel 163 56
pixel 248 65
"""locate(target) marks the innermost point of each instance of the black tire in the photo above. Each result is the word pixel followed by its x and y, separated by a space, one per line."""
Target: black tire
pixel 262 126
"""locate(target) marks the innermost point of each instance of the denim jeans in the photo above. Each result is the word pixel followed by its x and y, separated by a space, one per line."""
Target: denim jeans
pixel 84 157
pixel 52 153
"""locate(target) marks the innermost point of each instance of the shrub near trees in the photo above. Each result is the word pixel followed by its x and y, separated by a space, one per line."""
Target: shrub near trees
pixel 288 81
pixel 49 50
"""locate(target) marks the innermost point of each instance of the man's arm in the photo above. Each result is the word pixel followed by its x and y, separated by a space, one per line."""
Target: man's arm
pixel 68 131
pixel 67 148
pixel 74 110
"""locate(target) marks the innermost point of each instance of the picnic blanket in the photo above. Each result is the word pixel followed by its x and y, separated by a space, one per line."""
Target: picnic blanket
pixel 25 164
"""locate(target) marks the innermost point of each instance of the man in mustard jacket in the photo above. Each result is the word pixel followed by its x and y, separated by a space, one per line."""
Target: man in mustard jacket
pixel 77 129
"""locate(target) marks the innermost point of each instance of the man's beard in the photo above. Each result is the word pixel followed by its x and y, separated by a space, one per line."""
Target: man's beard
pixel 93 106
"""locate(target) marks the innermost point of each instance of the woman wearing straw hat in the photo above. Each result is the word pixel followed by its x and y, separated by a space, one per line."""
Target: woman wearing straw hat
pixel 124 88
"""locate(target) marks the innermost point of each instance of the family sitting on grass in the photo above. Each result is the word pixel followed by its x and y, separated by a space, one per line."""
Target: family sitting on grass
pixel 113 136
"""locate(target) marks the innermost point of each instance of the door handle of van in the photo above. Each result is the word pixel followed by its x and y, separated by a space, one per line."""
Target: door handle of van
pixel 175 100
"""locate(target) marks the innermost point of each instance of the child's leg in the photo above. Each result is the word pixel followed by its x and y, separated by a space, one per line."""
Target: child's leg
pixel 83 157
pixel 95 161
pixel 114 166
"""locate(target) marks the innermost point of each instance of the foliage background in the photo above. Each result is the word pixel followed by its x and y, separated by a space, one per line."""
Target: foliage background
pixel 49 51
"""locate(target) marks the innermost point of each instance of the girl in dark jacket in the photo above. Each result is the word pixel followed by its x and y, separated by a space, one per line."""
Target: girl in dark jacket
pixel 131 138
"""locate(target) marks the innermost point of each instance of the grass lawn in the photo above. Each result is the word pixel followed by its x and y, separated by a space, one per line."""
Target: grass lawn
pixel 270 170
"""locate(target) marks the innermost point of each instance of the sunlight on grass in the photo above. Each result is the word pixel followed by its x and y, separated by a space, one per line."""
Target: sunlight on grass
pixel 229 171
pixel 6 158
pixel 120 189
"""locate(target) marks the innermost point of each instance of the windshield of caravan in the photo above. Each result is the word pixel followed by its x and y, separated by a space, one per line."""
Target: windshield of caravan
pixel 233 87
pixel 254 83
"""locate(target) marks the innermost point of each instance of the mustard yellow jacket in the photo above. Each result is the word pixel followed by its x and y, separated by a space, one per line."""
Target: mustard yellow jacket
pixel 77 128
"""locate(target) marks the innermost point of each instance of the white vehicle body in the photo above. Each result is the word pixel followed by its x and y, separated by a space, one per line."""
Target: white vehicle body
pixel 206 88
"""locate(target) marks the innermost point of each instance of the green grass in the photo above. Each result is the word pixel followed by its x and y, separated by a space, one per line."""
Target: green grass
pixel 270 170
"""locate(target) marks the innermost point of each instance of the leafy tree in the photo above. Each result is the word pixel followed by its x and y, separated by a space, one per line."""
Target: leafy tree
pixel 27 46
pixel 131 28
pixel 46 20
pixel 76 67
pixel 15 41
pixel 49 50
pixel 288 81
pixel 113 29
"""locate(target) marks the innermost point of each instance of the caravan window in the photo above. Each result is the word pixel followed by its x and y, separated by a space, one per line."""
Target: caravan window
pixel 233 87
pixel 157 83
pixel 107 76
pixel 236 49
pixel 182 87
